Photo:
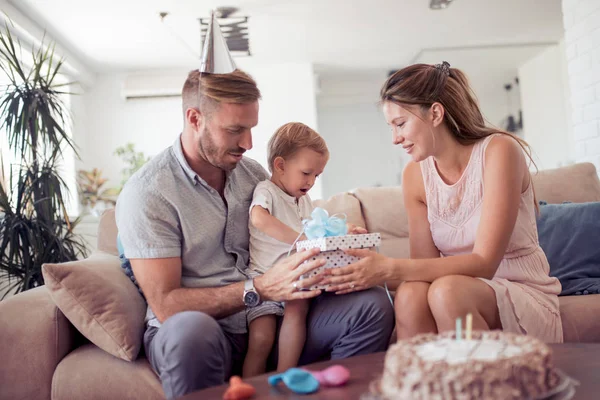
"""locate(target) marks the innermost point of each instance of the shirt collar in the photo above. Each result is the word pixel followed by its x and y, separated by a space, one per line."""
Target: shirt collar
pixel 194 177
pixel 178 150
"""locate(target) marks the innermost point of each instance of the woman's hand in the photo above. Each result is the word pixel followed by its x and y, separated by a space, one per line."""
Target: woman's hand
pixel 280 283
pixel 372 269
pixel 355 230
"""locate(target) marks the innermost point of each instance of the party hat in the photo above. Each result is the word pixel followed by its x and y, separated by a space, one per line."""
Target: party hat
pixel 215 53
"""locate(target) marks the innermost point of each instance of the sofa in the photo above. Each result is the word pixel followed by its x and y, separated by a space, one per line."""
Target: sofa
pixel 49 352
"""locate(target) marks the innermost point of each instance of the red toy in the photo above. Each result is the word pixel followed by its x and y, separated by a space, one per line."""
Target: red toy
pixel 238 390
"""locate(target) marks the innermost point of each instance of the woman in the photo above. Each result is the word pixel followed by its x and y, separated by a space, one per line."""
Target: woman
pixel 472 217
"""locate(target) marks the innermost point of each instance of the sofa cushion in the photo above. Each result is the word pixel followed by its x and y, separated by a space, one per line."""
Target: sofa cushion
pixel 107 232
pixel 343 203
pixel 568 233
pixel 100 301
pixel 577 183
pixel 384 212
pixel 580 318
pixel 395 247
pixel 383 208
pixel 92 374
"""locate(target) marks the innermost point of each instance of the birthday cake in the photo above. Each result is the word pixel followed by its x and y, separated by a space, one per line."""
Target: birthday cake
pixel 492 365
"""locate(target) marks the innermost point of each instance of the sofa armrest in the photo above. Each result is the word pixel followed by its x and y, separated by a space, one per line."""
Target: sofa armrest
pixel 35 336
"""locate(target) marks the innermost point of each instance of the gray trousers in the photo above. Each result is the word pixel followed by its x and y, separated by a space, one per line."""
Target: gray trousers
pixel 190 351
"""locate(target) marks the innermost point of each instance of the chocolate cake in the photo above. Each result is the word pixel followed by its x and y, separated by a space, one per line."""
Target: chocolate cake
pixel 492 365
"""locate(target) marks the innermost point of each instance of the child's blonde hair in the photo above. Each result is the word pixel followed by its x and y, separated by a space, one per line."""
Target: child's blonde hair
pixel 290 138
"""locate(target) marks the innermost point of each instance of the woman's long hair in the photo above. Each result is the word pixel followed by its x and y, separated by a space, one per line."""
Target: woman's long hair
pixel 425 84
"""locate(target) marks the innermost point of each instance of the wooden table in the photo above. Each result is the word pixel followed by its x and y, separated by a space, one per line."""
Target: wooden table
pixel 580 361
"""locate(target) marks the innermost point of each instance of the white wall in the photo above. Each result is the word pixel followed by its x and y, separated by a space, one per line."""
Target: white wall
pixel 493 102
pixel 545 103
pixel 359 140
pixel 361 149
pixel 106 120
pixel 110 121
pixel 288 94
pixel 582 37
pixel 489 69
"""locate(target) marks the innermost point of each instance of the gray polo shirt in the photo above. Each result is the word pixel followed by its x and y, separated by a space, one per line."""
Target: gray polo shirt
pixel 167 210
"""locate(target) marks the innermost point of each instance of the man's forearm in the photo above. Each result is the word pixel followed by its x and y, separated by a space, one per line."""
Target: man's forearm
pixel 218 302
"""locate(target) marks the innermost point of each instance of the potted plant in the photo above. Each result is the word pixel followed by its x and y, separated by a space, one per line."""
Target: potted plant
pixel 34 225
pixel 133 160
pixel 93 197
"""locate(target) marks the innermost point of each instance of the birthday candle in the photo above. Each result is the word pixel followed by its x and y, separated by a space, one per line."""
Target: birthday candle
pixel 458 329
pixel 469 326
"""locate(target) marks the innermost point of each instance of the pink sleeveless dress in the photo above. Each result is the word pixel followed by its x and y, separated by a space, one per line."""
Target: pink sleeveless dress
pixel 525 293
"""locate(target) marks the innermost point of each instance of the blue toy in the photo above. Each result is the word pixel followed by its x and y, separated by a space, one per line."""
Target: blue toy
pixel 297 380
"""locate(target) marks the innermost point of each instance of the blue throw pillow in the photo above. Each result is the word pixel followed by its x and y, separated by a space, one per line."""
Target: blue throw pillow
pixel 126 266
pixel 569 234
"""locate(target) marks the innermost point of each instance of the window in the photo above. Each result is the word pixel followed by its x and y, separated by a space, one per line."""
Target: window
pixel 10 162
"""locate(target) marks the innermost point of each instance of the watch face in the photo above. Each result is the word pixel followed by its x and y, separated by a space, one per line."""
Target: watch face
pixel 251 299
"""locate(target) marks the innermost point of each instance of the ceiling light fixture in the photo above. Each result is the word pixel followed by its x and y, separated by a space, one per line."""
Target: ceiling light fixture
pixel 439 4
pixel 234 29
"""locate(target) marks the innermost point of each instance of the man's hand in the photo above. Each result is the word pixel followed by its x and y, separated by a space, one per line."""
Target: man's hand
pixel 356 230
pixel 280 283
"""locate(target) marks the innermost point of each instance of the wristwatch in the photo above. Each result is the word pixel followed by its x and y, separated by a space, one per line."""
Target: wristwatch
pixel 251 297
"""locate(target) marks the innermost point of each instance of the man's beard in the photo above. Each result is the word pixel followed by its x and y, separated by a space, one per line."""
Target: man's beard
pixel 213 155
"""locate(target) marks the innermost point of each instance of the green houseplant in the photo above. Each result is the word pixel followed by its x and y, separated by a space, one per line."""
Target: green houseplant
pixel 133 160
pixel 34 225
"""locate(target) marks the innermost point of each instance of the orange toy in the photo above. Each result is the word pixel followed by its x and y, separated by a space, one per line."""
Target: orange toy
pixel 238 390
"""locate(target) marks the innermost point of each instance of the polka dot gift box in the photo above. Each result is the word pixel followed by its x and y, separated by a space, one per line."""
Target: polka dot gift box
pixel 332 250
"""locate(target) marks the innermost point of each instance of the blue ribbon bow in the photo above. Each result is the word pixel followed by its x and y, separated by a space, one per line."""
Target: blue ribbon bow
pixel 322 225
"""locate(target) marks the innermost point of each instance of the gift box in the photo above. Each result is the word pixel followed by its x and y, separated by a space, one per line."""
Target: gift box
pixel 332 250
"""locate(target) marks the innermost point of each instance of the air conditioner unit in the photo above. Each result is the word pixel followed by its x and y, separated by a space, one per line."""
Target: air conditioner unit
pixel 153 85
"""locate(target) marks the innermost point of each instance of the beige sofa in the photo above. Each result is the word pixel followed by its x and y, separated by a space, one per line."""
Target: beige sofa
pixel 43 356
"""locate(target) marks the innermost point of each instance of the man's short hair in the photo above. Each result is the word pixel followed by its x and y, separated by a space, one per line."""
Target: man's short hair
pixel 206 91
pixel 292 137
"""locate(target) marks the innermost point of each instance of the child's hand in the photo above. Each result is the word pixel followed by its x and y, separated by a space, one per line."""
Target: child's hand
pixel 356 230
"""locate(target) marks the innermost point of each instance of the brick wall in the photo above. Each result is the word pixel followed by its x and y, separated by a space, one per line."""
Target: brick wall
pixel 582 37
